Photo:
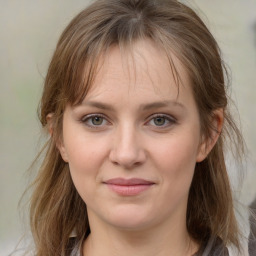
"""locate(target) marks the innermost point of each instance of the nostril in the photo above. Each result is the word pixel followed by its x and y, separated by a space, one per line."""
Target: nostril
pixel 127 149
pixel 137 163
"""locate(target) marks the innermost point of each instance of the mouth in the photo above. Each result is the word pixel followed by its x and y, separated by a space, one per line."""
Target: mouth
pixel 128 187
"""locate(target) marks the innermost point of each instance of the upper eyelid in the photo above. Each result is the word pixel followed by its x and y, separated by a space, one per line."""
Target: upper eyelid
pixel 85 120
pixel 85 117
pixel 168 116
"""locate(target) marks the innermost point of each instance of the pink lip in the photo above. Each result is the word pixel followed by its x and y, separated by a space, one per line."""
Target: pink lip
pixel 128 187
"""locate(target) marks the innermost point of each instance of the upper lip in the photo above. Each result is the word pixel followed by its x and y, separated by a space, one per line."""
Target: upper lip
pixel 128 182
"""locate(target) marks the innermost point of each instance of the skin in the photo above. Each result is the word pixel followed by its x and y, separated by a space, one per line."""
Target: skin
pixel 144 129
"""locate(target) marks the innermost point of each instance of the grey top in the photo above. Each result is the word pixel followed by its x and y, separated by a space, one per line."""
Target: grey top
pixel 214 247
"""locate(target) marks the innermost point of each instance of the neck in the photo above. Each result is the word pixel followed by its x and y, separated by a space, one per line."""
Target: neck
pixel 158 241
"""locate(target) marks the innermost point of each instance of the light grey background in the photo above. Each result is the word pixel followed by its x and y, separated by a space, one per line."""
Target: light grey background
pixel 29 30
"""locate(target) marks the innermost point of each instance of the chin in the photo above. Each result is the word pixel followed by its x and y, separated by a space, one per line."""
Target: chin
pixel 131 219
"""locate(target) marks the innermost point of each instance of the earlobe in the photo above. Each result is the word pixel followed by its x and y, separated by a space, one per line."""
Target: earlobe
pixel 208 143
pixel 63 151
pixel 59 142
pixel 49 120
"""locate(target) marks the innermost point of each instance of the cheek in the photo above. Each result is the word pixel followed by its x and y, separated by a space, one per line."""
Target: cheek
pixel 177 158
pixel 83 150
pixel 174 160
pixel 86 156
pixel 84 171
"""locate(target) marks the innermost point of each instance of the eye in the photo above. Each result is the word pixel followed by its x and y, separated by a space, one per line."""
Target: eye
pixel 97 120
pixel 94 120
pixel 161 121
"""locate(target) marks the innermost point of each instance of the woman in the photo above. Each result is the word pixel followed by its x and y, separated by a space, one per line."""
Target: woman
pixel 136 104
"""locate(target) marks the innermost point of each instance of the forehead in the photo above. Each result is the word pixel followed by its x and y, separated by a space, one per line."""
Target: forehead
pixel 143 66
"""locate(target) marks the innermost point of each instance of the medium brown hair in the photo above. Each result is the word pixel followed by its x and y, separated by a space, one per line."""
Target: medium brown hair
pixel 56 208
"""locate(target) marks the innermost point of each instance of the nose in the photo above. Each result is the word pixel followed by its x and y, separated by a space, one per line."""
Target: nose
pixel 127 149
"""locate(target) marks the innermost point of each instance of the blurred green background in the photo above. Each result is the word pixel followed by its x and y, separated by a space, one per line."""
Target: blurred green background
pixel 29 30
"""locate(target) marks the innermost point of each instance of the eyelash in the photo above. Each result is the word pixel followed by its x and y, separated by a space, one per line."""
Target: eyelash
pixel 90 117
pixel 167 118
pixel 171 120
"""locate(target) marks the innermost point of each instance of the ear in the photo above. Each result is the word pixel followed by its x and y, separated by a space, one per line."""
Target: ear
pixel 60 145
pixel 208 143
pixel 59 142
pixel 49 120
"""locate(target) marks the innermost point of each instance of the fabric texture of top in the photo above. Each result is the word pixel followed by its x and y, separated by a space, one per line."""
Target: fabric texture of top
pixel 214 247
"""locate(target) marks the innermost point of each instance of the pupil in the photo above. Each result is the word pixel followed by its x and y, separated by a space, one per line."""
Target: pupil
pixel 97 120
pixel 159 121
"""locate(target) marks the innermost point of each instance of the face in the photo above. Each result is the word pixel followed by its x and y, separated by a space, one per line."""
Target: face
pixel 133 143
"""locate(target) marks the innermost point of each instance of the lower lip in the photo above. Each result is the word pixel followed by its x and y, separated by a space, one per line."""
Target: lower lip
pixel 131 190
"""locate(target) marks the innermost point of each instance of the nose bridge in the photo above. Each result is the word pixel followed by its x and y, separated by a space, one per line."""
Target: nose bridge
pixel 128 149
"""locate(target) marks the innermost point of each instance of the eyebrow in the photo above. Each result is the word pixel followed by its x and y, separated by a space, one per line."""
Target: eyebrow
pixel 100 105
pixel 144 107
pixel 162 104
